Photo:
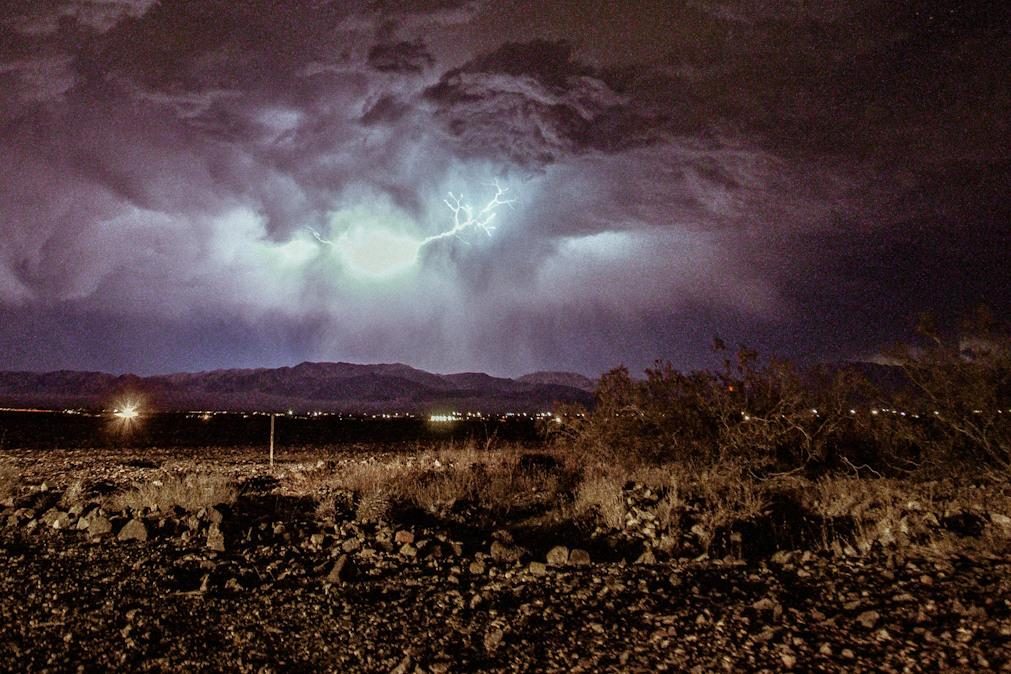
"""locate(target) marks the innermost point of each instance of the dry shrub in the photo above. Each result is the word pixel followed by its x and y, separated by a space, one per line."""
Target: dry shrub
pixel 367 487
pixel 189 492
pixel 435 488
pixel 495 480
pixel 332 506
pixel 601 494
pixel 365 477
pixel 373 506
pixel 10 479
pixel 509 488
pixel 958 394
pixel 727 494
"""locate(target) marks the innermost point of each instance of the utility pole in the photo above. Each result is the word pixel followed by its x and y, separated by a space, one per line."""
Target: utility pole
pixel 272 417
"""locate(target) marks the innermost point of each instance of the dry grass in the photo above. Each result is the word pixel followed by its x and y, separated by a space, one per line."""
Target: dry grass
pixel 494 480
pixel 189 492
pixel 882 511
pixel 728 495
pixel 669 508
pixel 337 488
pixel 900 513
pixel 331 506
pixel 505 482
pixel 600 494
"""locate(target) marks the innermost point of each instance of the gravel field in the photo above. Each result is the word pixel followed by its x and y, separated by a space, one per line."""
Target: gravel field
pixel 264 585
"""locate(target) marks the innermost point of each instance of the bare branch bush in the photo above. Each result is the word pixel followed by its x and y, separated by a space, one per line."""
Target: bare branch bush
pixel 957 397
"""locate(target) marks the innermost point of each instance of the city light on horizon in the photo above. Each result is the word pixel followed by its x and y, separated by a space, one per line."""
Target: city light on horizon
pixel 127 412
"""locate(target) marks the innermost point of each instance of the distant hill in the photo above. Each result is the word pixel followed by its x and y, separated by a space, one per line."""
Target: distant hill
pixel 344 387
pixel 572 379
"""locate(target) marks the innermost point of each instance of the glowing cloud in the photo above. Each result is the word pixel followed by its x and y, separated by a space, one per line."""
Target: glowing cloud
pixel 370 249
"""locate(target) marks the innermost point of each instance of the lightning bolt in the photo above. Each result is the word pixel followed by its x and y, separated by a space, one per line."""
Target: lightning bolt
pixel 379 253
pixel 318 237
pixel 465 218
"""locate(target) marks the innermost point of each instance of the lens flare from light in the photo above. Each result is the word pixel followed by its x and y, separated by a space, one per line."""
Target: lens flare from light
pixel 127 411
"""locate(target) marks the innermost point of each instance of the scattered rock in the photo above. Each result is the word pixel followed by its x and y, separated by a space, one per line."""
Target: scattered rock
pixel 506 553
pixel 98 525
pixel 343 570
pixel 55 518
pixel 60 521
pixel 538 568
pixel 558 556
pixel 404 667
pixel 868 619
pixel 647 557
pixel 403 537
pixel 769 608
pixel 215 539
pixel 579 557
pixel 493 638
pixel 134 530
pixel 781 557
pixel 1000 520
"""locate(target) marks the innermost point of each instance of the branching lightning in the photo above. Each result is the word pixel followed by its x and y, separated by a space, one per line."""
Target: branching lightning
pixel 482 220
pixel 381 252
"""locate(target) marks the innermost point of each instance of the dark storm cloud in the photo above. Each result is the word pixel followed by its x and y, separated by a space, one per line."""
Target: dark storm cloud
pixel 400 57
pixel 386 110
pixel 749 169
pixel 44 17
pixel 533 104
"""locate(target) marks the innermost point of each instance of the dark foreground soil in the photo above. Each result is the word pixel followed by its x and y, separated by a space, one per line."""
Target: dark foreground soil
pixel 114 607
pixel 416 599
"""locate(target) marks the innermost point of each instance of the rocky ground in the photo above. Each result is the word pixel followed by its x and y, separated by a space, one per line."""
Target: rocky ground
pixel 265 585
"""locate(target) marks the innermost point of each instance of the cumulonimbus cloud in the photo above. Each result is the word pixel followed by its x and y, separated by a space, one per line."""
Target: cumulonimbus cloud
pixel 172 177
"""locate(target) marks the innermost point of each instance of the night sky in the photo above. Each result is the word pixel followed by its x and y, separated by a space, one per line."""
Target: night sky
pixel 198 184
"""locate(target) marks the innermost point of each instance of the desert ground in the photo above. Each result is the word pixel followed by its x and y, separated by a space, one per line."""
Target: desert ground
pixel 456 558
